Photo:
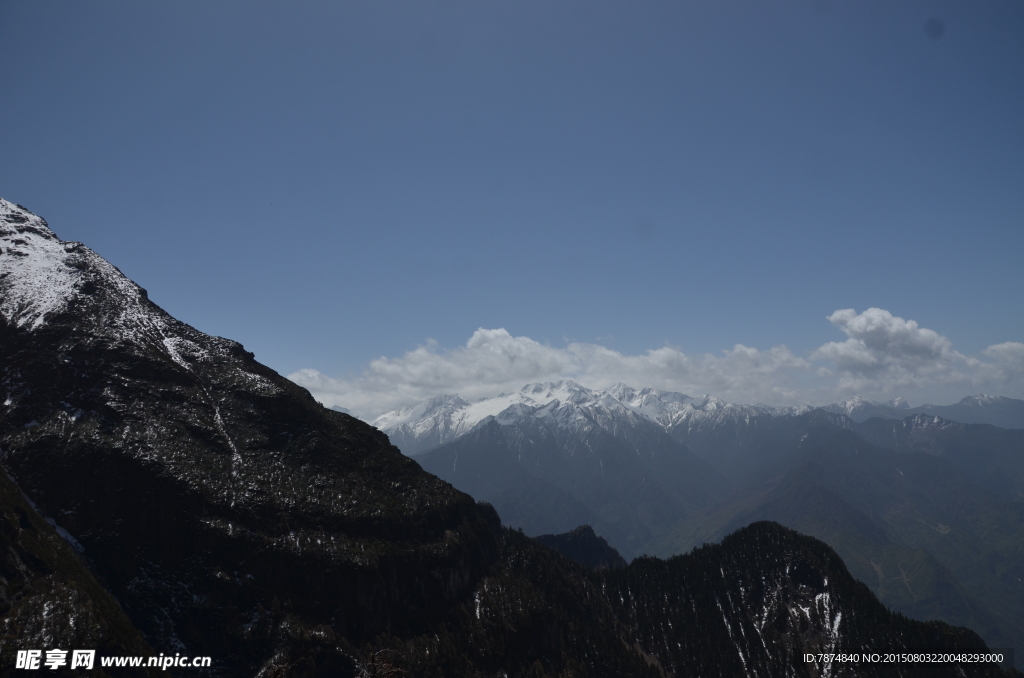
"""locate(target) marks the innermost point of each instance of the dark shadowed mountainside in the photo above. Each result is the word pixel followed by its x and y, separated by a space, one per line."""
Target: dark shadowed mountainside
pixel 585 547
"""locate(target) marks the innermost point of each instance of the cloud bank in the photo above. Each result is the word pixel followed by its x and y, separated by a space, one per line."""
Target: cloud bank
pixel 883 355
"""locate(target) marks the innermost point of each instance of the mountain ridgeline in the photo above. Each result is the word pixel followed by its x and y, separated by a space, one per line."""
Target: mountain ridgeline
pixel 169 494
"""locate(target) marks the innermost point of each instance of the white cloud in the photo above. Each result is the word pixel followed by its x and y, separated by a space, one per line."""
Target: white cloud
pixel 738 373
pixel 886 354
pixel 879 340
pixel 883 355
pixel 493 361
pixel 884 351
pixel 1006 367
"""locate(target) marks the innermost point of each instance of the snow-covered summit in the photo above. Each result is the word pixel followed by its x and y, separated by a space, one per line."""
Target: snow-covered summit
pixel 981 400
pixel 46 280
pixel 43 276
pixel 36 279
pixel 851 405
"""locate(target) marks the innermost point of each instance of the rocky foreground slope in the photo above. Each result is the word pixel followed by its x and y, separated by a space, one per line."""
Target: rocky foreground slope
pixel 221 511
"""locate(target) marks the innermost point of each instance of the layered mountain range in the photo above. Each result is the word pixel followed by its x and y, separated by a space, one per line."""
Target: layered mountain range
pixel 928 511
pixel 442 419
pixel 166 493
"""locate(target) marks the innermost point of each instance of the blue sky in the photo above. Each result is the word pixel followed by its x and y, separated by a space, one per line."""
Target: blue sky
pixel 332 183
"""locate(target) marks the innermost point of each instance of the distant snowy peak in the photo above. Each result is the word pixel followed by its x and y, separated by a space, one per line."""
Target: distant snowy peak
pixel 438 407
pixel 674 410
pixel 859 408
pixel 442 419
pixel 982 400
pixel 853 404
pixel 569 406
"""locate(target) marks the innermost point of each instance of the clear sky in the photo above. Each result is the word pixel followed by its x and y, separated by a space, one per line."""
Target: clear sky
pixel 336 182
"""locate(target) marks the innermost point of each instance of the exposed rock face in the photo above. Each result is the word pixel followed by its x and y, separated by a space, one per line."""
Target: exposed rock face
pixel 233 516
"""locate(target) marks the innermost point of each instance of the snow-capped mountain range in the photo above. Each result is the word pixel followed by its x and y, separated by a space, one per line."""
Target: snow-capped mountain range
pixel 443 419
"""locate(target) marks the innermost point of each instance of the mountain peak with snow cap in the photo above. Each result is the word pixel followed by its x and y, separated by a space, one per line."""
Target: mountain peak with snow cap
pixel 38 276
pixel 47 281
pixel 565 390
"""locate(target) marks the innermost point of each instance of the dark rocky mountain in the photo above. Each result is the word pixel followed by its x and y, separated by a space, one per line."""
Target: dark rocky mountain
pixel 742 573
pixel 221 511
pixel 585 547
pixel 930 542
pixel 752 605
